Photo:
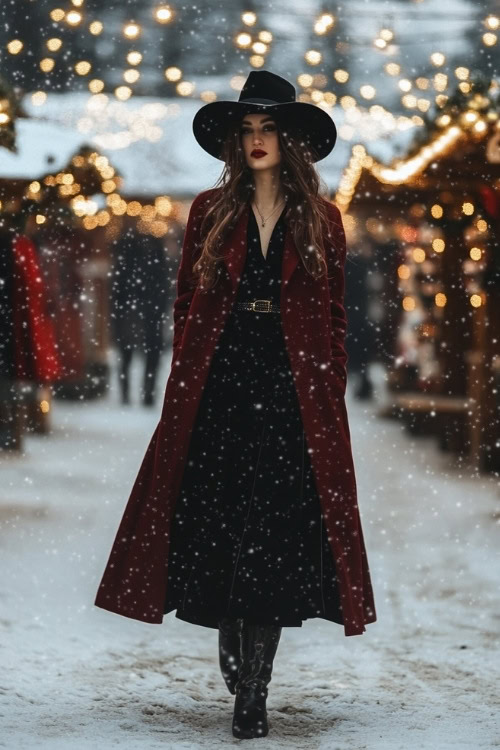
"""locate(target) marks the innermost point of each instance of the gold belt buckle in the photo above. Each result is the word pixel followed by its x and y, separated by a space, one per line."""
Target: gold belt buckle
pixel 268 302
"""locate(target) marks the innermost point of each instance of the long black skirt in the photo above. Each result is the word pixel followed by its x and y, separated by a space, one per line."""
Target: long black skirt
pixel 247 534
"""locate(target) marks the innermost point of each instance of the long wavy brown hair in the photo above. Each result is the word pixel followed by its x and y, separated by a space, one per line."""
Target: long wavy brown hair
pixel 305 211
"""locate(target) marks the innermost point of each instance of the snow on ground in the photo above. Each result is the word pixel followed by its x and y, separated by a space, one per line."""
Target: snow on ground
pixel 75 676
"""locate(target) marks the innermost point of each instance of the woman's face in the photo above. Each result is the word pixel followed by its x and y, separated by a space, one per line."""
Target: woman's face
pixel 259 133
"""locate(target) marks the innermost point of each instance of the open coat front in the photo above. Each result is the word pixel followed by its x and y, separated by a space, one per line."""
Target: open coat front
pixel 135 580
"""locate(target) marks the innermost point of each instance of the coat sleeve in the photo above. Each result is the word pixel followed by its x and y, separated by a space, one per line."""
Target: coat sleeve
pixel 185 287
pixel 336 284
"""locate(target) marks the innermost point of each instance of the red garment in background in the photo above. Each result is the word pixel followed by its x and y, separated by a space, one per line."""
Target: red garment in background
pixel 35 344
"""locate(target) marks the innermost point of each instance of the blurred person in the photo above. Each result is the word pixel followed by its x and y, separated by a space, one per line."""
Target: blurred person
pixel 244 514
pixel 28 349
pixel 139 299
pixel 360 336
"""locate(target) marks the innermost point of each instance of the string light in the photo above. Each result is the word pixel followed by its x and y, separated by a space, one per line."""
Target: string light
pixel 73 17
pixel 163 14
pixel 249 18
pixel 15 46
pixel 131 30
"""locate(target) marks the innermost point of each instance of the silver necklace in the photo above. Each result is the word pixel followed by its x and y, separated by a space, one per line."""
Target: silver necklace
pixel 263 221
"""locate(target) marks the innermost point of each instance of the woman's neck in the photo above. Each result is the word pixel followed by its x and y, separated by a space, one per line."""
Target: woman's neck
pixel 268 191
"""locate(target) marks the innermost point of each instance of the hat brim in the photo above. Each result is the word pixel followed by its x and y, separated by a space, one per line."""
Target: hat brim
pixel 313 124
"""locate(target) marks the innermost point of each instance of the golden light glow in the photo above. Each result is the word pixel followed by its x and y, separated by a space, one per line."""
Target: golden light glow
pixel 108 186
pixel 244 40
pixel 40 219
pixel 44 406
pixel 134 208
pixel 185 88
pixel 265 36
pixel 440 299
pixel 418 254
pixel 57 14
pixel 163 14
pixel 476 300
pixel 123 93
pixel 249 18
pixel 173 74
pixel 313 57
pixel 15 46
pixel 260 48
pixel 492 22
pixel 386 34
pixel 367 91
pixel 475 253
pixel 437 211
pixel 47 64
pixel 131 30
pixel 83 67
pixel 257 61
pixel 134 58
pixel 347 102
pixel 38 98
pixel 131 75
pixel 305 80
pixel 163 205
pixel 437 59
pixel 422 83
pixel 462 73
pixel 34 187
pixel 54 44
pixel 468 208
pixel 208 96
pixel 481 225
pixel 73 17
pixel 392 68
pixel 408 304
pixel 148 212
pixel 404 271
pixel 324 23
pixel 489 39
pixel 404 84
pixel 438 245
pixel 409 100
pixel 96 85
pixel 340 75
pixel 440 81
pixel 406 169
pixel 443 120
pixel 96 28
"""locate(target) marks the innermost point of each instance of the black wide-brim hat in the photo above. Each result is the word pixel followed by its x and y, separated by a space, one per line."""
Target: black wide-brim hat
pixel 266 92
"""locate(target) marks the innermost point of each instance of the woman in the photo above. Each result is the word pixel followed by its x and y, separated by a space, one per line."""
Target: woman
pixel 243 516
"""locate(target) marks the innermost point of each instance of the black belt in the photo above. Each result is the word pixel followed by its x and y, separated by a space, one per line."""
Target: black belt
pixel 259 305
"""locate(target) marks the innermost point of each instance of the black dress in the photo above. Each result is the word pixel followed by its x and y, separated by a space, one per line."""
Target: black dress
pixel 247 535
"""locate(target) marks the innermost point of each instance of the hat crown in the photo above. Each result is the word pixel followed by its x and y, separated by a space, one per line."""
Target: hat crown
pixel 265 87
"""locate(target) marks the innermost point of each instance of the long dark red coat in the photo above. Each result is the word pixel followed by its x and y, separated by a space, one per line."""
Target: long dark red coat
pixel 135 579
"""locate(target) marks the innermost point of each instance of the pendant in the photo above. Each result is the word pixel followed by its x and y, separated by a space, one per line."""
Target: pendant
pixel 263 223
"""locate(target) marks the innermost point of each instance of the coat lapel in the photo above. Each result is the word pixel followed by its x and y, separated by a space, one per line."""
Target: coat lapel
pixel 235 251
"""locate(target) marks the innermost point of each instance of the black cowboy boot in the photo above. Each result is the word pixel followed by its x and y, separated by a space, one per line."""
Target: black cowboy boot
pixel 259 644
pixel 229 650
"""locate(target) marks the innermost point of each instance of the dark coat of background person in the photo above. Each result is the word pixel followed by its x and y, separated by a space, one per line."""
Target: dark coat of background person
pixel 360 337
pixel 135 578
pixel 139 299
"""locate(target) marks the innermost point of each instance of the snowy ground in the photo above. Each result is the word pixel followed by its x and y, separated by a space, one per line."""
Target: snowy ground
pixel 74 676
